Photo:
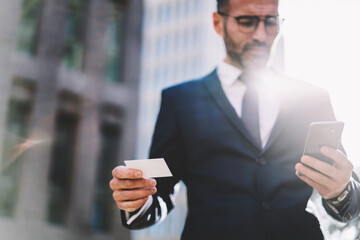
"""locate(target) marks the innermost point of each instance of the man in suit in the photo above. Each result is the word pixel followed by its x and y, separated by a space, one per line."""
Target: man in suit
pixel 235 138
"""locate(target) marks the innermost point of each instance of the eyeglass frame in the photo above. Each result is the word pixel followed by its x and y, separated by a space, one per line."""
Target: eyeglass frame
pixel 258 18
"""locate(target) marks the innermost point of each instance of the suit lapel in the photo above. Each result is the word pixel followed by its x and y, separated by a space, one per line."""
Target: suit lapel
pixel 212 84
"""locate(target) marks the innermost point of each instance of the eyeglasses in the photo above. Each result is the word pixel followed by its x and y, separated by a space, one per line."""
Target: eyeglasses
pixel 248 24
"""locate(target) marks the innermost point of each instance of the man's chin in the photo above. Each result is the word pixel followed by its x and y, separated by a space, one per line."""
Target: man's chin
pixel 249 62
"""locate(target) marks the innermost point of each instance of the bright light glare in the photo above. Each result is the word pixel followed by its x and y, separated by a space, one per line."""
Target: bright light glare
pixel 322 46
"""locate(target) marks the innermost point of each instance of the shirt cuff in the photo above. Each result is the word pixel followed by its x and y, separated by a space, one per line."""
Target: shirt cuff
pixel 338 206
pixel 131 217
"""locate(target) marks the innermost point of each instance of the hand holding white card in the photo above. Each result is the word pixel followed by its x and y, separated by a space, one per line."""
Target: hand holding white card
pixel 151 168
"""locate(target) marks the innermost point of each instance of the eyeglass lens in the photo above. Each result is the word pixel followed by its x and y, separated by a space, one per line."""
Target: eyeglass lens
pixel 249 24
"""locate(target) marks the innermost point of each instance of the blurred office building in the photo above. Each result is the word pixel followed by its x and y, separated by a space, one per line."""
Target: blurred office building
pixel 179 44
pixel 68 108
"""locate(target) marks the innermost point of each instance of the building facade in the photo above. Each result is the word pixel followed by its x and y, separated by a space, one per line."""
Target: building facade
pixel 178 44
pixel 68 108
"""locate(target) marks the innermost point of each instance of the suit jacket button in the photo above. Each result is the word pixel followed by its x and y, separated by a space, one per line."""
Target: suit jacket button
pixel 265 205
pixel 261 161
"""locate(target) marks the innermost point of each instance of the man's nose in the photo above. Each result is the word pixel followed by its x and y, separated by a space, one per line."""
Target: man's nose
pixel 260 33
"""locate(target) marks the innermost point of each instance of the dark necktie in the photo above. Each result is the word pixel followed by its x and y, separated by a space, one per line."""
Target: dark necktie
pixel 250 111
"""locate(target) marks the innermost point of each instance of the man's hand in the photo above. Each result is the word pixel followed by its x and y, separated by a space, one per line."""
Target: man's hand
pixel 131 191
pixel 331 180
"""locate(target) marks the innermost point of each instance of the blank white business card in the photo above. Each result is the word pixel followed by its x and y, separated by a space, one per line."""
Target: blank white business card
pixel 151 168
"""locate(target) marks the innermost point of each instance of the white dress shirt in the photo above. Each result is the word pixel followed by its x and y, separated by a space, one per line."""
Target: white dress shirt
pixel 234 89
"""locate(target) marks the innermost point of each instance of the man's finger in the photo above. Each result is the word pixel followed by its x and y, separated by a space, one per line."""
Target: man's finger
pixel 123 172
pixel 313 175
pixel 126 195
pixel 117 184
pixel 339 158
pixel 131 206
pixel 321 166
pixel 309 181
pixel 320 188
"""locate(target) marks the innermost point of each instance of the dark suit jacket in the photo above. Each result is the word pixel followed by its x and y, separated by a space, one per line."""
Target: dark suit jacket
pixel 234 190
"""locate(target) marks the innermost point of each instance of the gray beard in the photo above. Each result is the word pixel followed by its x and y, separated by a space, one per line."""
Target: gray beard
pixel 237 58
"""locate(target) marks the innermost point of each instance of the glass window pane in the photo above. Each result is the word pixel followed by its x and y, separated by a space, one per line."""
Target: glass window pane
pixel 29 27
pixel 18 118
pixel 114 42
pixel 74 34
pixel 61 168
pixel 103 208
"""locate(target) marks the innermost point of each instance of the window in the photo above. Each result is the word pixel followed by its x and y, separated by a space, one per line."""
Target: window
pixel 147 50
pixel 179 8
pixel 167 45
pixel 187 8
pixel 167 80
pixel 187 39
pixel 179 73
pixel 197 6
pixel 62 158
pixel 198 33
pixel 18 119
pixel 168 13
pixel 29 27
pixel 73 54
pixel 146 19
pixel 114 46
pixel 177 42
pixel 161 15
pixel 110 130
pixel 159 77
pixel 159 46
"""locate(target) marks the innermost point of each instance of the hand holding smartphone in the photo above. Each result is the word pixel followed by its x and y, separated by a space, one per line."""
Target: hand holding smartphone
pixel 323 134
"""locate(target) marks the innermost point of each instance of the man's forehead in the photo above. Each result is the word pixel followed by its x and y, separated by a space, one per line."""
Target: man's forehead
pixel 260 6
pixel 256 6
pixel 255 2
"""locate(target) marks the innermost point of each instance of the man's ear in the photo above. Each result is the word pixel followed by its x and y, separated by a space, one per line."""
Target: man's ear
pixel 218 22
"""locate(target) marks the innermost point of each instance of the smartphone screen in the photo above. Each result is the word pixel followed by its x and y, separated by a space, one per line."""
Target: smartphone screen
pixel 323 134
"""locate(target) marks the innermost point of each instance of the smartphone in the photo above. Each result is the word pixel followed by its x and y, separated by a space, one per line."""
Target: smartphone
pixel 323 134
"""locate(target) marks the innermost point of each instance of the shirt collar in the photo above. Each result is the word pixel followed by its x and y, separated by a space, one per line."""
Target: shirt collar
pixel 228 74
